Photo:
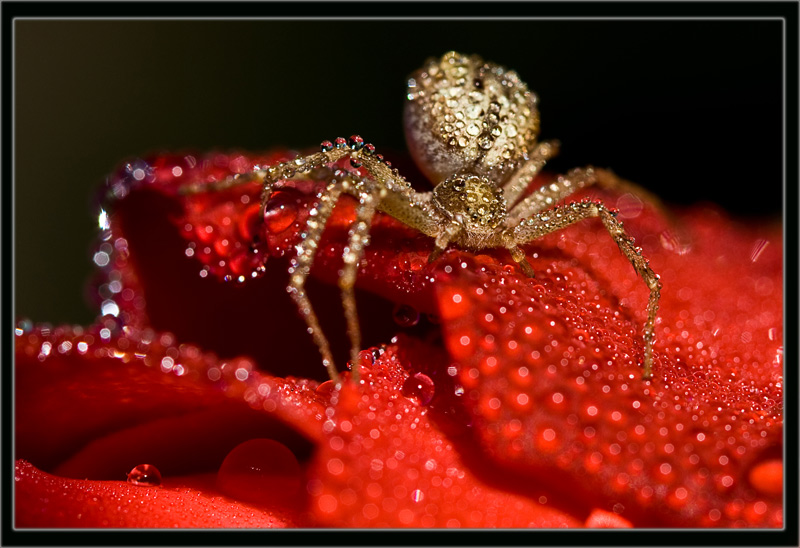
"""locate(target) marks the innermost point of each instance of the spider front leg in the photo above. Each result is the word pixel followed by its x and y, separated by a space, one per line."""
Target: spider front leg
pixel 521 178
pixel 357 239
pixel 560 217
pixel 301 267
pixel 550 194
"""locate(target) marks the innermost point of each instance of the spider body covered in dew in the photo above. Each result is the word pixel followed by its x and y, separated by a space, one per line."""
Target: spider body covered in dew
pixel 472 128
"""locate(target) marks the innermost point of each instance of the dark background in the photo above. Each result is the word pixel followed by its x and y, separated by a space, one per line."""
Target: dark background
pixel 689 109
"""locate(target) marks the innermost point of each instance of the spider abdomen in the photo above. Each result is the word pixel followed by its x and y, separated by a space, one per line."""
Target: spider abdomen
pixel 463 113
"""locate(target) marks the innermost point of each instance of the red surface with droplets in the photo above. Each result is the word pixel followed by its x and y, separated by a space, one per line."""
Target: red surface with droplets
pixel 412 474
pixel 511 402
pixel 44 500
pixel 553 376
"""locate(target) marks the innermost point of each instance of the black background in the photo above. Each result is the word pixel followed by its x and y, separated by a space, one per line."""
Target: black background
pixel 691 109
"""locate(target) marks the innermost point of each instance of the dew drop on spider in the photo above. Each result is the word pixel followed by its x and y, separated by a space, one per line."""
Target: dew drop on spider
pixel 144 474
pixel 405 315
pixel 419 388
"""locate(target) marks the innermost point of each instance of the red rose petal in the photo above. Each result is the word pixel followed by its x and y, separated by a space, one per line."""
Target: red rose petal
pixel 167 254
pixel 93 408
pixel 385 463
pixel 544 412
pixel 553 377
pixel 43 500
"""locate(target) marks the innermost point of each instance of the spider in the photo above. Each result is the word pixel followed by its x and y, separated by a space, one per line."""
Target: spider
pixel 472 128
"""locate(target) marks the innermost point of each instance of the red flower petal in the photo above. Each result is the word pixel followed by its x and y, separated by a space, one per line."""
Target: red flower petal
pixel 167 254
pixel 552 372
pixel 387 463
pixel 43 500
pixel 535 415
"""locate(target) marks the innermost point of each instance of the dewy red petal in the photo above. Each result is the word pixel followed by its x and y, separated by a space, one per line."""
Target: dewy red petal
pixel 526 408
pixel 552 372
pixel 167 254
pixel 43 500
pixel 95 403
pixel 386 463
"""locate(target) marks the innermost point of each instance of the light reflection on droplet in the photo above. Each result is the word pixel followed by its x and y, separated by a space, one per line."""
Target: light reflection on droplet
pixel 405 315
pixel 419 388
pixel 102 220
pixel 101 258
pixel 144 474
pixel 109 308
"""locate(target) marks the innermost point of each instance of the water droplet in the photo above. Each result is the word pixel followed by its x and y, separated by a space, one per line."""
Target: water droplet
pixel 419 388
pixel 281 210
pixel 602 519
pixel 144 474
pixel 326 389
pixel 262 471
pixel 405 316
pixel 629 206
pixel 767 477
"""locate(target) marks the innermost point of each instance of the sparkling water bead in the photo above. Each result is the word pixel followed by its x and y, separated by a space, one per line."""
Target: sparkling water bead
pixel 144 474
pixel 419 388
pixel 405 315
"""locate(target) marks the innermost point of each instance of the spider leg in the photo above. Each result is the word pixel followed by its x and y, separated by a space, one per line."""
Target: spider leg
pixel 521 178
pixel 443 239
pixel 301 267
pixel 357 239
pixel 552 193
pixel 258 175
pixel 562 216
pixel 387 191
pixel 519 257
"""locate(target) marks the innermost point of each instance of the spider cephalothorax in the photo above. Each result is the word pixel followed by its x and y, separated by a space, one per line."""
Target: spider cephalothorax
pixel 472 128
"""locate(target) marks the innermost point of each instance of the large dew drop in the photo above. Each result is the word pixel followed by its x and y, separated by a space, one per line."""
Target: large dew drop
pixel 405 316
pixel 419 388
pixel 144 474
pixel 262 471
pixel 281 210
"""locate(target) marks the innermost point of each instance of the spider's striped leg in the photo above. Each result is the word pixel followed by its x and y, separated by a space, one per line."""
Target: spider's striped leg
pixel 521 178
pixel 552 193
pixel 256 176
pixel 562 216
pixel 269 175
pixel 301 267
pixel 357 239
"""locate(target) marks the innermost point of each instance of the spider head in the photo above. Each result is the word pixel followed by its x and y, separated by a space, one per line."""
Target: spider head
pixel 471 201
pixel 465 114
